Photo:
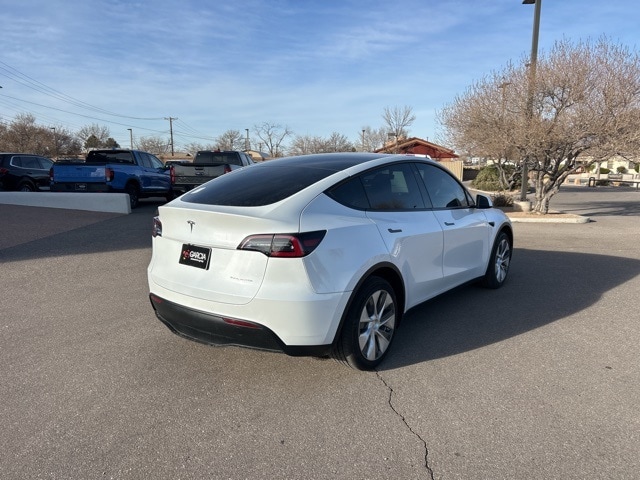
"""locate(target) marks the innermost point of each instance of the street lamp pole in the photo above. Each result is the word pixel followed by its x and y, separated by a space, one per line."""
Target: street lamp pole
pixel 532 78
pixel 55 141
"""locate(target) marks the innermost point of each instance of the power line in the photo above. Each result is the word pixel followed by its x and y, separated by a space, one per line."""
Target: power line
pixel 27 81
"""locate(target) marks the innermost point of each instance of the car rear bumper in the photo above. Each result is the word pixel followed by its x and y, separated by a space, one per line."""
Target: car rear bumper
pixel 218 330
pixel 81 187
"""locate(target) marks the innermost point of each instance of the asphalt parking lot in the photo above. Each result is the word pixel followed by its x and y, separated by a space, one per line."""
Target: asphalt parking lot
pixel 540 379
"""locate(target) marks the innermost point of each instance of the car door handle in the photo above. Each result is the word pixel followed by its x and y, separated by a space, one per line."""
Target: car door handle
pixel 449 224
pixel 393 230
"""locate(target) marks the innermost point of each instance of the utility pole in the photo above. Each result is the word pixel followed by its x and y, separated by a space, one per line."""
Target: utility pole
pixel 246 141
pixel 130 138
pixel 532 79
pixel 171 119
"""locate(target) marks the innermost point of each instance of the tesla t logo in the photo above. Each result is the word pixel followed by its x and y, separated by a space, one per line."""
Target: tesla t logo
pixel 191 224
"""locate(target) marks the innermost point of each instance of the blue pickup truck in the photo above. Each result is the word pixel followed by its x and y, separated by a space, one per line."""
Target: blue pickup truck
pixel 137 173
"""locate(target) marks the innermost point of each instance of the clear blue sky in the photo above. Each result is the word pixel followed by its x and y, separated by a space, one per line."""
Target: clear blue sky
pixel 314 66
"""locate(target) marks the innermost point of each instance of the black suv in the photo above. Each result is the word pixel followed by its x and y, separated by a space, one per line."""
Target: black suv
pixel 24 172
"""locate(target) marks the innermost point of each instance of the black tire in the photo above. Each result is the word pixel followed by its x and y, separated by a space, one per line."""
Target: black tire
pixel 134 195
pixel 499 262
pixel 369 325
pixel 26 187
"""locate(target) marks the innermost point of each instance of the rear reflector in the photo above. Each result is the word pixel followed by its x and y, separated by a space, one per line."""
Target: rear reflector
pixel 241 323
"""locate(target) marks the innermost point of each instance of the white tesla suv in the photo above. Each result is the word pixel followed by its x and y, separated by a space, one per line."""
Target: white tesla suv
pixel 320 254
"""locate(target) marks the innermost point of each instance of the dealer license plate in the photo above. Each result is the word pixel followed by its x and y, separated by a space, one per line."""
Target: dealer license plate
pixel 195 256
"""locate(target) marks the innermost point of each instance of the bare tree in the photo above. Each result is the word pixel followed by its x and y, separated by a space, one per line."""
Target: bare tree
pixel 194 147
pixel 398 120
pixel 66 143
pixel 99 132
pixel 304 145
pixel 230 140
pixel 583 108
pixel 155 145
pixel 371 139
pixel 336 142
pixel 272 137
pixel 24 135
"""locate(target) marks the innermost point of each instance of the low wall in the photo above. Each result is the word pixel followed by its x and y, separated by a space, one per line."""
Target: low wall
pixel 93 202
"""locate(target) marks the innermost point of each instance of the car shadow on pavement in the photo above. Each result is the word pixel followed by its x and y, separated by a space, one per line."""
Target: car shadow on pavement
pixel 543 287
pixel 49 232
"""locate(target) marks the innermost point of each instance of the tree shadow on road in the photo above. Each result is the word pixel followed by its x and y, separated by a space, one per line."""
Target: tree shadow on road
pixel 543 287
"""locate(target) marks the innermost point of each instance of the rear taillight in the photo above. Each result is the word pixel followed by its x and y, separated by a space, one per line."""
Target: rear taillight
pixel 109 174
pixel 157 227
pixel 227 169
pixel 288 245
pixel 172 174
pixel 50 174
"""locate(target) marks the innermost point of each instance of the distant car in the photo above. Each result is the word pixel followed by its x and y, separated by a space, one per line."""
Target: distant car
pixel 24 172
pixel 320 254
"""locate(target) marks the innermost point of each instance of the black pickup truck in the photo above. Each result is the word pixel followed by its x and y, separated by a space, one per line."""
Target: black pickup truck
pixel 207 165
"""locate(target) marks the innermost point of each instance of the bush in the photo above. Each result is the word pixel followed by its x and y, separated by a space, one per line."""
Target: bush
pixel 621 169
pixel 488 178
pixel 604 171
pixel 502 200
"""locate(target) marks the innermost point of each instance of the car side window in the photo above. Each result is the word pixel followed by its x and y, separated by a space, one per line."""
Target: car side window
pixel 29 162
pixel 155 161
pixel 443 189
pixel 393 187
pixel 45 163
pixel 351 194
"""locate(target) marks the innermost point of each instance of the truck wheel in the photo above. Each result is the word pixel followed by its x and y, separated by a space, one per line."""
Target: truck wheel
pixel 134 197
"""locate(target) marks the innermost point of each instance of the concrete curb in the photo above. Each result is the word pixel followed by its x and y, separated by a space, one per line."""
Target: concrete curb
pixel 566 218
pixel 93 202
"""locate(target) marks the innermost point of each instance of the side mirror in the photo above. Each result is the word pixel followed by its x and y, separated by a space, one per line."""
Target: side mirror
pixel 482 201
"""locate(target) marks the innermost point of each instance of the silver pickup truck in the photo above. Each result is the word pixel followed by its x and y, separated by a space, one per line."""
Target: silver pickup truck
pixel 207 165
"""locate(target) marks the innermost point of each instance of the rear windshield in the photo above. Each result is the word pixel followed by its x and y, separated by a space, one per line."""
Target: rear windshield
pixel 231 158
pixel 255 186
pixel 110 157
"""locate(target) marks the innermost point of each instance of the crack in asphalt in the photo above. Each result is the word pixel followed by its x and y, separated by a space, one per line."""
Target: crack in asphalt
pixel 404 420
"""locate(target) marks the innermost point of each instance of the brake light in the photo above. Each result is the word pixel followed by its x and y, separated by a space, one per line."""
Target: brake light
pixel 227 169
pixel 109 174
pixel 156 230
pixel 288 245
pixel 172 174
pixel 50 174
pixel 5 170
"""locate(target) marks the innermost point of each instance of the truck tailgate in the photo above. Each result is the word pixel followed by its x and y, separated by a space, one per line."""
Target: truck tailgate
pixel 196 174
pixel 85 173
